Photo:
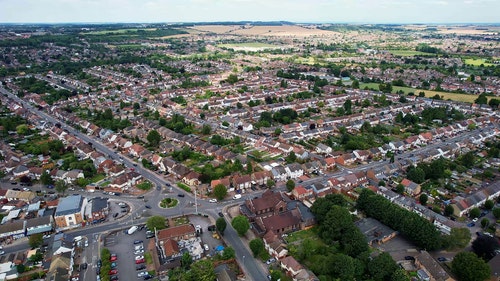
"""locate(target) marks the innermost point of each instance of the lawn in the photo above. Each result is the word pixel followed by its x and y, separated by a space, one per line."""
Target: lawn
pixel 146 185
pixel 296 239
pixel 428 93
pixel 168 203
pixel 477 62
pixel 408 53
pixel 183 186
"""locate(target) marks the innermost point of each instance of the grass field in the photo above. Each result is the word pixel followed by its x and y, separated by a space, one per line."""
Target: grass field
pixel 428 93
pixel 477 62
pixel 248 45
pixel 408 53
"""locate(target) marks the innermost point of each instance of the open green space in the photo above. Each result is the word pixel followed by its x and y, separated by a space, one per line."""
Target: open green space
pixel 477 62
pixel 248 45
pixel 408 53
pixel 428 93
pixel 168 203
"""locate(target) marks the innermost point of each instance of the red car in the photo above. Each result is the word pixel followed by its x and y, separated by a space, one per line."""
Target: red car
pixel 113 258
pixel 113 272
pixel 139 261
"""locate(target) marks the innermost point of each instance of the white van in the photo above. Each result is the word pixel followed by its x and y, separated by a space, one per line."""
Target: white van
pixel 237 196
pixel 132 230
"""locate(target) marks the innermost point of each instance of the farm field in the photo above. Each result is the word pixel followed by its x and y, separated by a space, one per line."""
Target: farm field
pixel 428 93
pixel 117 31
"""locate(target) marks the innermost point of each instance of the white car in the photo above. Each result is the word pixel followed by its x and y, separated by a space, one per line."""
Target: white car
pixel 213 200
pixel 139 258
pixel 138 252
pixel 206 247
pixel 141 274
pixel 474 220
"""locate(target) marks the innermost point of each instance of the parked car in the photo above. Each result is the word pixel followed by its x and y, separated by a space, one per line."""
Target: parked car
pixel 221 214
pixel 113 257
pixel 114 265
pixel 139 257
pixel 442 259
pixel 205 246
pixel 138 241
pixel 113 272
pixel 271 260
pixel 139 261
pixel 213 200
pixel 147 277
pixel 141 274
pixel 138 252
pixel 140 267
pixel 113 278
pixel 409 258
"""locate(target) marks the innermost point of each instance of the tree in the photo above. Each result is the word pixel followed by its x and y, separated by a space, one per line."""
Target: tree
pixel 35 240
pixel 496 213
pixel 220 191
pixel 203 270
pixel 474 213
pixel 22 129
pixel 481 99
pixel 270 183
pixel 61 186
pixel 458 239
pixel 448 210
pixel 400 275
pixel 46 179
pixel 206 129
pixel 485 246
pixel 382 267
pixel 416 174
pixel 241 225
pixel 186 260
pixel 468 267
pixel 257 246
pixel 489 204
pixel 485 223
pixel 290 185
pixel 400 188
pixel 423 199
pixel 154 138
pixel 156 222
pixel 221 225
pixel 228 253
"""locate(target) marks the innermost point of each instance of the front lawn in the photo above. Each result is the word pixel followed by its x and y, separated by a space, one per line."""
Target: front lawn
pixel 146 185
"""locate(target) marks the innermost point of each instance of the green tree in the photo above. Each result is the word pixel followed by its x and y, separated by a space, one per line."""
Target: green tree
pixel 221 225
pixel 400 275
pixel 290 185
pixel 423 199
pixel 474 213
pixel 35 240
pixel 448 210
pixel 22 129
pixel 496 213
pixel 485 247
pixel 186 260
pixel 291 158
pixel 240 224
pixel 382 267
pixel 220 191
pixel 203 270
pixel 270 183
pixel 46 179
pixel 485 223
pixel 257 246
pixel 458 239
pixel 468 267
pixel 228 253
pixel 153 138
pixel 400 188
pixel 416 174
pixel 481 99
pixel 206 129
pixel 61 186
pixel 489 204
pixel 156 222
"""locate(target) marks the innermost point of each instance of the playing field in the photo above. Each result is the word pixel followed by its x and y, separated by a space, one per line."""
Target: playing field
pixel 408 53
pixel 428 93
pixel 477 62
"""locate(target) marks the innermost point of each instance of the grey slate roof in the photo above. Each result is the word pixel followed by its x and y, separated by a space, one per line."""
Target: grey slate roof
pixel 69 205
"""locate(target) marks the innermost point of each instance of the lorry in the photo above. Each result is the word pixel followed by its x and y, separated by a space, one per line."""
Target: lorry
pixel 131 230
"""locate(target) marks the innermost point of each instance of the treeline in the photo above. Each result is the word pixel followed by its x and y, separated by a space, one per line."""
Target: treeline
pixel 346 255
pixel 426 48
pixel 105 119
pixel 283 116
pixel 421 231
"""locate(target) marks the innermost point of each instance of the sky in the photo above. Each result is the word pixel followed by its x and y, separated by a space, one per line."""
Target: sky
pixel 324 11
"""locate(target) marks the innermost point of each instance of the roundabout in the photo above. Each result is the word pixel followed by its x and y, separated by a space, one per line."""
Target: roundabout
pixel 167 203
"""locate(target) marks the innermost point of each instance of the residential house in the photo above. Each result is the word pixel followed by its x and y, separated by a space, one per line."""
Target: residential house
pixel 166 238
pixel 192 178
pixel 411 188
pixel 374 231
pixel 424 261
pixel 61 267
pixel 261 177
pixel 300 193
pixel 97 210
pixel 323 149
pixel 12 230
pixel 242 182
pixel 279 173
pixel 274 245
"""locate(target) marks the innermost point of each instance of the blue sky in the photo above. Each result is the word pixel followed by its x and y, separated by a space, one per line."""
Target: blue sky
pixel 350 11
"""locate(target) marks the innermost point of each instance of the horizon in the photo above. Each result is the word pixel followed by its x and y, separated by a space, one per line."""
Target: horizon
pixel 296 11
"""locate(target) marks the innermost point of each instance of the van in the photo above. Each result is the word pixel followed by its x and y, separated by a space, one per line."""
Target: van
pixel 77 238
pixel 237 196
pixel 131 230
